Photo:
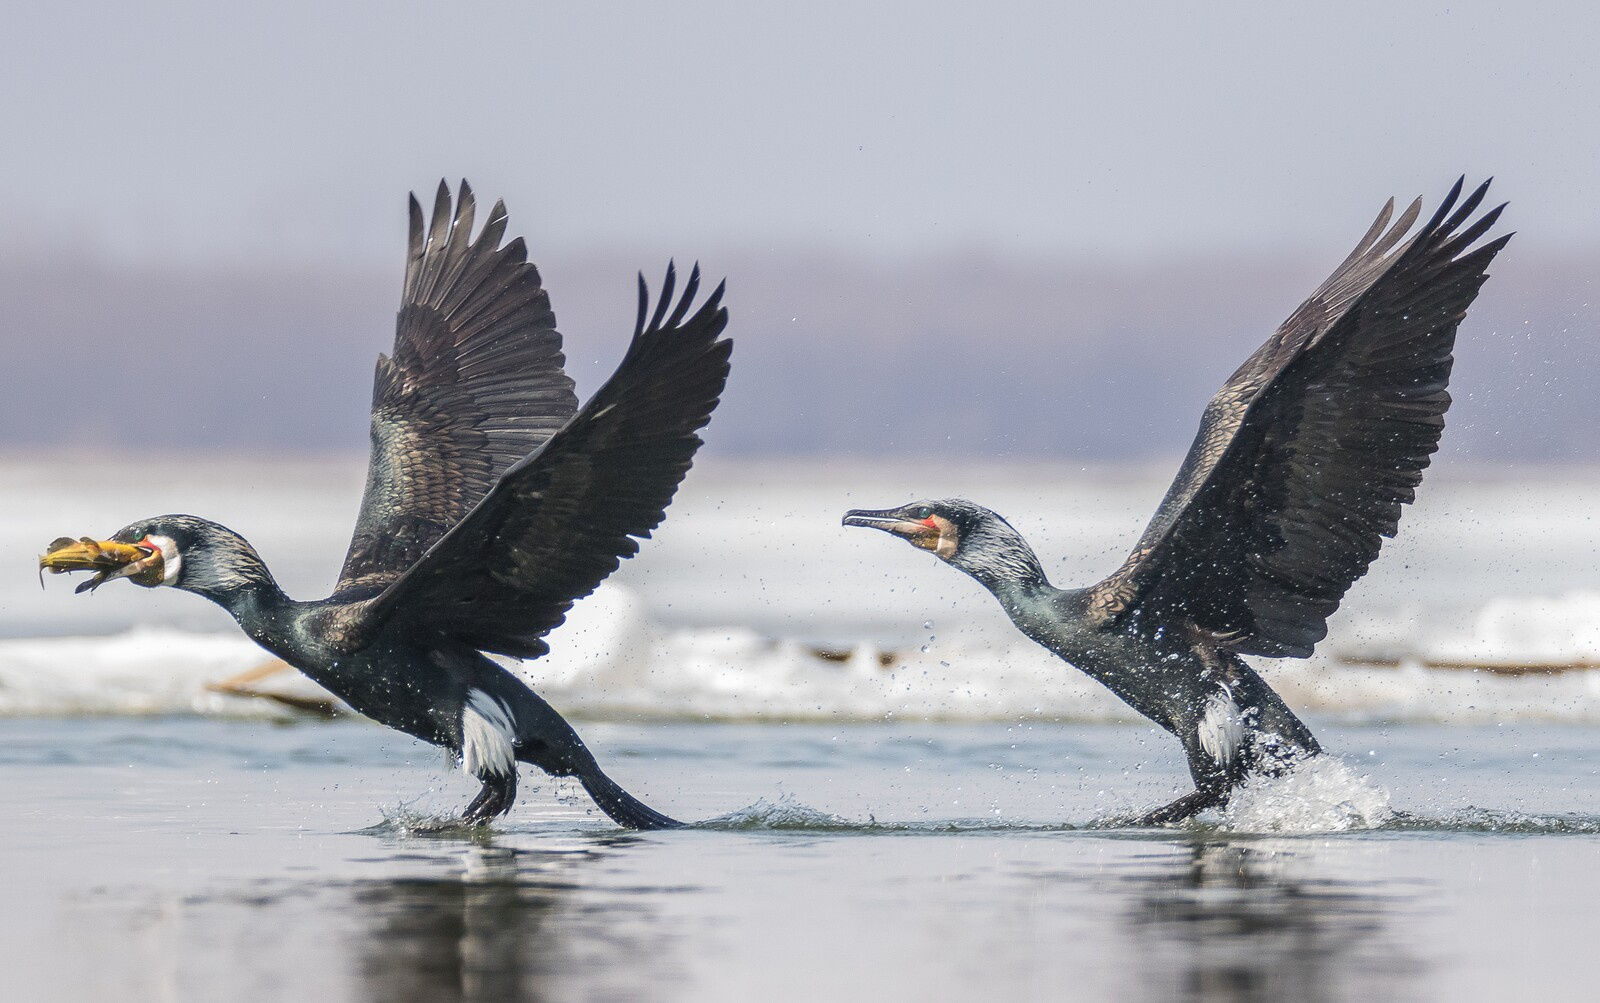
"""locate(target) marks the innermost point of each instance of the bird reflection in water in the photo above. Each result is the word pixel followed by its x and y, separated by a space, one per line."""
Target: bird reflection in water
pixel 1241 923
pixel 506 927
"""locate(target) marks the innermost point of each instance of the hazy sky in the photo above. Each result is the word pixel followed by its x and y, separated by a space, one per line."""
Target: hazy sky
pixel 199 131
pixel 1024 228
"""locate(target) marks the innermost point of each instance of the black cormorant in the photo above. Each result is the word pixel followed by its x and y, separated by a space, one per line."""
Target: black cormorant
pixel 492 503
pixel 1301 465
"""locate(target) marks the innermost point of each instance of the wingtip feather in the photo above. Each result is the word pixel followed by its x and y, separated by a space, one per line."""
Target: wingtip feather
pixel 687 299
pixel 667 285
pixel 466 211
pixel 644 307
pixel 1467 207
pixel 441 204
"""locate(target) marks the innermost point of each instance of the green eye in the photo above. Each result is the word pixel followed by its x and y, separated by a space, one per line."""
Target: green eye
pixel 924 512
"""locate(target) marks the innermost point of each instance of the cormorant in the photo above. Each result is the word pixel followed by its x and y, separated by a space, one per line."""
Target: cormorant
pixel 492 503
pixel 1302 463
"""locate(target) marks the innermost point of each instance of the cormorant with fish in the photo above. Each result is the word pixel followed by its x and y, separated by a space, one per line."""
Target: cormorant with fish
pixel 492 504
pixel 1302 463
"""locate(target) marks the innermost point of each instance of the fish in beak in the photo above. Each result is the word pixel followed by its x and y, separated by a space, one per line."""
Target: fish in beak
pixel 108 559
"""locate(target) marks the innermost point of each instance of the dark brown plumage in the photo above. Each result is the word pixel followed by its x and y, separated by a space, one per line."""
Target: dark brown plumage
pixel 1302 464
pixel 560 520
pixel 1306 455
pixel 490 508
pixel 474 384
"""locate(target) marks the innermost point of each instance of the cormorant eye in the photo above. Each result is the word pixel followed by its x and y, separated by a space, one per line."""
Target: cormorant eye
pixel 924 512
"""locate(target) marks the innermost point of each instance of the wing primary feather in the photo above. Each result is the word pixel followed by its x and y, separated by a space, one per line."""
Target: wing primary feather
pixel 441 211
pixel 438 233
pixel 1401 227
pixel 466 213
pixel 665 299
pixel 1467 208
pixel 644 306
pixel 1370 238
pixel 1466 238
pixel 494 228
pixel 458 249
pixel 1445 207
pixel 414 250
pixel 1478 259
pixel 687 299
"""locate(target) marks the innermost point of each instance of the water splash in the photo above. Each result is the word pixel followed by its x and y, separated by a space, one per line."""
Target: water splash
pixel 405 822
pixel 1321 794
pixel 784 813
pixel 1497 821
pixel 1324 795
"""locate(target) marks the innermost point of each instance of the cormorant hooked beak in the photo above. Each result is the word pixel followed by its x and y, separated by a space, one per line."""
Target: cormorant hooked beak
pixel 109 560
pixel 933 532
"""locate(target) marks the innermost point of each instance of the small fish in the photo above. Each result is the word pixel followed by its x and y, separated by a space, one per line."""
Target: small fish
pixel 107 558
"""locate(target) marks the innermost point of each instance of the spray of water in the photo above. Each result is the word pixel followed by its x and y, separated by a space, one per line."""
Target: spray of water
pixel 1321 794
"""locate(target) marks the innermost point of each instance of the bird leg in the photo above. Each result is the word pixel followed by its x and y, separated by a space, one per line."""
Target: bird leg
pixel 499 793
pixel 1185 808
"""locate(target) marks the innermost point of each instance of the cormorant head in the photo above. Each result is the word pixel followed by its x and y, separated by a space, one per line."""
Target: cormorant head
pixel 967 536
pixel 182 551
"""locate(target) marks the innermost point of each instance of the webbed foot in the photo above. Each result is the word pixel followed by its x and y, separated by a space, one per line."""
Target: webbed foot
pixel 499 793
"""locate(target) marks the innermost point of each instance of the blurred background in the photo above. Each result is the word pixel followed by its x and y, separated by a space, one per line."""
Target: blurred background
pixel 1003 250
pixel 949 230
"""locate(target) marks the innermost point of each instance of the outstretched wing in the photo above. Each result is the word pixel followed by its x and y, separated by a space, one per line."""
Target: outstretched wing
pixel 1306 455
pixel 474 385
pixel 561 520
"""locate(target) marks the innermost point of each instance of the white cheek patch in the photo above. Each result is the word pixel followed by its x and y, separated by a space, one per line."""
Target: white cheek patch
pixel 1221 727
pixel 488 736
pixel 171 560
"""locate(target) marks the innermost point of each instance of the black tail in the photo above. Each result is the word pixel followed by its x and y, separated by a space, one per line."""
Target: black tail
pixel 622 807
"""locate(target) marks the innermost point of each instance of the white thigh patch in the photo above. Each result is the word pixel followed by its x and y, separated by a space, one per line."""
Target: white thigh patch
pixel 488 736
pixel 1221 727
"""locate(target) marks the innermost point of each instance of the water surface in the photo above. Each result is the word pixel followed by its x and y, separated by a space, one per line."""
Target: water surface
pixel 192 859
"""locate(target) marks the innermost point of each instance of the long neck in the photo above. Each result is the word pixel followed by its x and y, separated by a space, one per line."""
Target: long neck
pixel 236 579
pixel 1002 562
pixel 272 620
pixel 251 599
pixel 1055 618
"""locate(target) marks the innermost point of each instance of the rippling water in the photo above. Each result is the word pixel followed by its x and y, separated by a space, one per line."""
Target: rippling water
pixel 182 858
pixel 895 797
